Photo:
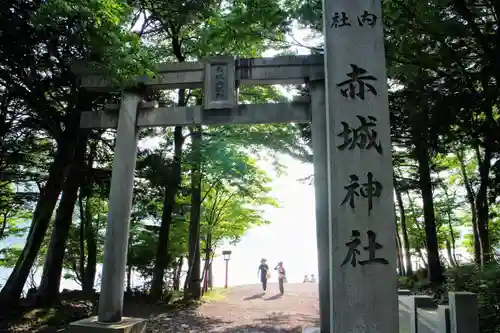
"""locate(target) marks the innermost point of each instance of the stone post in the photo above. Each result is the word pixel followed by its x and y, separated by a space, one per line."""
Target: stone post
pixel 120 204
pixel 361 218
pixel 444 318
pixel 464 317
pixel 418 302
pixel 318 133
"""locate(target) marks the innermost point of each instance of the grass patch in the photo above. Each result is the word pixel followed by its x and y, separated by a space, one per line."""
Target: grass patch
pixel 177 296
pixel 216 294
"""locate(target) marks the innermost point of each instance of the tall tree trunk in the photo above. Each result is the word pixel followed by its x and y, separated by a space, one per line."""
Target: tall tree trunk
pixel 404 231
pixel 420 131
pixel 399 256
pixel 168 206
pixel 472 203
pixel 91 245
pixel 3 225
pixel 194 260
pixel 452 245
pixel 399 248
pixel 210 274
pixel 129 278
pixel 482 204
pixel 81 236
pixel 161 261
pixel 206 277
pixel 186 284
pixel 52 271
pixel 88 244
pixel 129 255
pixel 11 291
pixel 434 264
pixel 421 256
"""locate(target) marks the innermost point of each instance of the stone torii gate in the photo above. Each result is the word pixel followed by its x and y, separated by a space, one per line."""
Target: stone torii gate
pixel 218 76
pixel 348 108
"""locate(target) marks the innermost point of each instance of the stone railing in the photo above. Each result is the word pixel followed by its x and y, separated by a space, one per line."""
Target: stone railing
pixel 419 314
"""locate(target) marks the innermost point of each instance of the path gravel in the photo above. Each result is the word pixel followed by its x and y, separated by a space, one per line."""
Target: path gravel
pixel 246 310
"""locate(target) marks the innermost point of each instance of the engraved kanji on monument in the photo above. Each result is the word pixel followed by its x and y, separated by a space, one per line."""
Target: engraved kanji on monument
pixel 220 87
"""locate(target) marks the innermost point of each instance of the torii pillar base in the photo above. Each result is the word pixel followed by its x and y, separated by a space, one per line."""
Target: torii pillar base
pixel 91 325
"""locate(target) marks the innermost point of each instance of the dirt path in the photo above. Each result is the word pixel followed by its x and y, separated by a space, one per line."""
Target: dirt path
pixel 245 309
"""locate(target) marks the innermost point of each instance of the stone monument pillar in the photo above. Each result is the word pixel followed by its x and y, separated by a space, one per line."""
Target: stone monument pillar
pixel 363 254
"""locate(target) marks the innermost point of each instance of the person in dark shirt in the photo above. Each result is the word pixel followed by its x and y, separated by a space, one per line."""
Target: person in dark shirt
pixel 264 273
pixel 281 276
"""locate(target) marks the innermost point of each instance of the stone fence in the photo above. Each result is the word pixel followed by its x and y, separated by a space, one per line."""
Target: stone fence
pixel 419 314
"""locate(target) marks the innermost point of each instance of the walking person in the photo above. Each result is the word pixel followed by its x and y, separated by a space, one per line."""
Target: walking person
pixel 264 274
pixel 281 276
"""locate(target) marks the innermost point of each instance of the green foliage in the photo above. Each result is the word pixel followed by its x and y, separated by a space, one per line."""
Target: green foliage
pixel 13 211
pixel 76 256
pixel 228 213
pixel 234 188
pixel 40 99
pixel 9 256
pixel 244 28
pixel 405 282
pixel 309 13
pixel 100 28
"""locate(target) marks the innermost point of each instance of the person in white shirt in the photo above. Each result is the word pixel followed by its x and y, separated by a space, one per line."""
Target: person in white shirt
pixel 281 276
pixel 313 278
pixel 306 279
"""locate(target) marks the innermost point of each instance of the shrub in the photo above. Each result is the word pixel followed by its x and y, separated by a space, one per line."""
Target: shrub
pixel 405 282
pixel 421 274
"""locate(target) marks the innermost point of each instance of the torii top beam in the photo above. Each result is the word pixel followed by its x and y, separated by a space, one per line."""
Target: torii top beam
pixel 260 71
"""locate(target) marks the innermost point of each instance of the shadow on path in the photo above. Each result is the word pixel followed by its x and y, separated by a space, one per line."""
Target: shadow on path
pixel 274 323
pixel 256 296
pixel 185 321
pixel 246 309
pixel 190 321
pixel 283 319
pixel 272 298
pixel 261 329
